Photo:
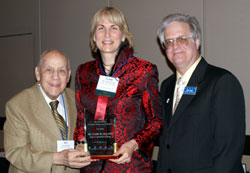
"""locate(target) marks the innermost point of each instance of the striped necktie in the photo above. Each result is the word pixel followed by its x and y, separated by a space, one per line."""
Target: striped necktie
pixel 59 119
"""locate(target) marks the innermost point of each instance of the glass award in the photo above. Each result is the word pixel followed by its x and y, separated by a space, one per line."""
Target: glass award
pixel 100 139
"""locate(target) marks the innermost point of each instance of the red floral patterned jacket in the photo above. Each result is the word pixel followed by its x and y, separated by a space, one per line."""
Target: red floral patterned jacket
pixel 136 104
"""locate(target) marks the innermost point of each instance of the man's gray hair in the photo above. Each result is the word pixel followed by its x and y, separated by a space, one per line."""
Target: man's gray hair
pixel 40 62
pixel 177 17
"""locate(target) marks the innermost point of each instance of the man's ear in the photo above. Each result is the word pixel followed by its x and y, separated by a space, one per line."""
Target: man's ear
pixel 197 43
pixel 37 73
pixel 69 75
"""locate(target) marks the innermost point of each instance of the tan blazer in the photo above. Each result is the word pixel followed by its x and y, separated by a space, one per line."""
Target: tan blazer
pixel 31 133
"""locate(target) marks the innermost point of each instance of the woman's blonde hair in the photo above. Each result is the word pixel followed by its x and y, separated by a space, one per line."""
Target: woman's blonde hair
pixel 115 16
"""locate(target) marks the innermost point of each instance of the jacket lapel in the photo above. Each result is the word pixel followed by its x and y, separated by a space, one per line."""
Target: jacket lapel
pixel 168 99
pixel 186 100
pixel 44 113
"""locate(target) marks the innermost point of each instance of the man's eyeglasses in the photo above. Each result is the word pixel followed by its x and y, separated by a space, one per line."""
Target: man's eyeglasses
pixel 169 43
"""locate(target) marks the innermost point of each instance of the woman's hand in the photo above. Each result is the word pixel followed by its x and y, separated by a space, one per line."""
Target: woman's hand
pixel 125 152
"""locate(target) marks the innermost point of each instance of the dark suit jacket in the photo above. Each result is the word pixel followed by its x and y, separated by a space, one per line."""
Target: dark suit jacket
pixel 31 132
pixel 207 131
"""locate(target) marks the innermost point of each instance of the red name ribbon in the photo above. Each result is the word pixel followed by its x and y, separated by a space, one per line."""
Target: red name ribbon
pixel 101 107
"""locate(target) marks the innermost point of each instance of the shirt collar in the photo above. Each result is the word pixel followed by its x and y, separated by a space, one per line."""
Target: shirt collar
pixel 47 99
pixel 189 72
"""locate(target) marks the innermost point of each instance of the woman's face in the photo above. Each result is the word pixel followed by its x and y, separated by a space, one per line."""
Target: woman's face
pixel 108 37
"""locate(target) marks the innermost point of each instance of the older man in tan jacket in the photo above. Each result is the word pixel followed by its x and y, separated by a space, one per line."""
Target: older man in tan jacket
pixel 33 140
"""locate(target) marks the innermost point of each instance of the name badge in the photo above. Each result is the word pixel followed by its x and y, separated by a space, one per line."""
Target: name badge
pixel 189 90
pixel 65 144
pixel 107 86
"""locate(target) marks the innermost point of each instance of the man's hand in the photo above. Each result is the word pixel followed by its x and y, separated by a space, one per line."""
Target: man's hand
pixel 72 158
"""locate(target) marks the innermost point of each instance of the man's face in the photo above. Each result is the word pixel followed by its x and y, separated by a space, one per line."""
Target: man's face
pixel 53 74
pixel 182 54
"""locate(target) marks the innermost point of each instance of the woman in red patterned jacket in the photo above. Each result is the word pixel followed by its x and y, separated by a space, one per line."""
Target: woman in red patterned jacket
pixel 136 101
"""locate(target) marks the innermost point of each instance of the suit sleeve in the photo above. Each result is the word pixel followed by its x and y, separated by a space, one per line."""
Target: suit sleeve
pixel 18 147
pixel 229 118
pixel 152 107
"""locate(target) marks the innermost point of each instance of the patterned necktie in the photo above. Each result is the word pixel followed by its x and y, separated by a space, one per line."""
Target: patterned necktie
pixel 179 92
pixel 59 119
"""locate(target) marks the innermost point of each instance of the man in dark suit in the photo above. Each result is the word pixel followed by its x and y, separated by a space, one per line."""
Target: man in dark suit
pixel 33 140
pixel 203 106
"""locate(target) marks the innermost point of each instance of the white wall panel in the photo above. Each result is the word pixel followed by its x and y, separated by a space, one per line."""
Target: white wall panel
pixel 16 67
pixel 227 40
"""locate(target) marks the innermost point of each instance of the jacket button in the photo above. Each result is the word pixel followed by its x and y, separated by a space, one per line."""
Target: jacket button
pixel 168 146
pixel 169 171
